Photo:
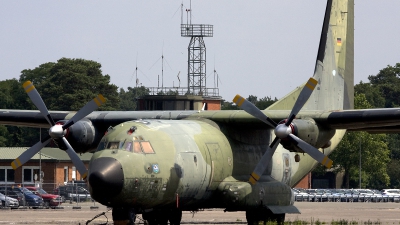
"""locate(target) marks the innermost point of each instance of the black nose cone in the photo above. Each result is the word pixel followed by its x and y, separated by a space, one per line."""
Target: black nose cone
pixel 106 178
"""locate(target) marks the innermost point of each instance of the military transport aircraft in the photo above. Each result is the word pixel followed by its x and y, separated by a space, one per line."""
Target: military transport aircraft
pixel 160 163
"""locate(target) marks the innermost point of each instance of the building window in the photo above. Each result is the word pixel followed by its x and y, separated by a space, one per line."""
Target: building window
pixel 65 174
pixel 6 174
pixel 28 174
pixel 73 173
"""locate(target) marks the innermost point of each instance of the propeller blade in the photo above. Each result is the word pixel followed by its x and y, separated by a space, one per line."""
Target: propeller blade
pixel 264 161
pixel 302 99
pixel 251 109
pixel 38 101
pixel 86 110
pixel 313 152
pixel 75 159
pixel 28 154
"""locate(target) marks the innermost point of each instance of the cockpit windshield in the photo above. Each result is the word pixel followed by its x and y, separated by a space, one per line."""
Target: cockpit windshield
pixel 138 145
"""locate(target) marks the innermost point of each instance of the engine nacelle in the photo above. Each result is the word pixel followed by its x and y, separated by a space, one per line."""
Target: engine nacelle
pixel 309 131
pixel 82 136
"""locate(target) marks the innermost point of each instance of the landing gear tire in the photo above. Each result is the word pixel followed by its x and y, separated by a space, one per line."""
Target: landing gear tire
pixel 123 216
pixel 175 217
pixel 265 215
pixel 157 217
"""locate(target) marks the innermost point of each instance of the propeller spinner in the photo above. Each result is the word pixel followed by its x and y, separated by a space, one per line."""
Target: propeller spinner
pixel 56 131
pixel 282 131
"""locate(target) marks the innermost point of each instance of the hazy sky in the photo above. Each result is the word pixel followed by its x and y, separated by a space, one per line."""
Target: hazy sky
pixel 261 48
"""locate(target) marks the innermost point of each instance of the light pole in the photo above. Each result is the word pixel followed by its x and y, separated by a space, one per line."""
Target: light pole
pixel 360 163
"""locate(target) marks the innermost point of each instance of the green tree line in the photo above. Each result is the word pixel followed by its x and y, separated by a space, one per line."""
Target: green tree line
pixel 65 85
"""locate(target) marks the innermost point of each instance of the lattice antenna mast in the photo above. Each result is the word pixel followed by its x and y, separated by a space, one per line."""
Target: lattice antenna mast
pixel 196 53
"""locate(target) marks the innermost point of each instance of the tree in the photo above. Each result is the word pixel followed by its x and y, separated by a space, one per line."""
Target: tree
pixel 372 94
pixel 70 83
pixel 383 91
pixel 262 104
pixel 374 155
pixel 393 169
pixel 387 84
pixel 265 102
pixel 13 96
pixel 228 105
pixel 66 85
pixel 128 99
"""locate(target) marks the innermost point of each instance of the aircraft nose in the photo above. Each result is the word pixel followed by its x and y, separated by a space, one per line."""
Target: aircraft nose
pixel 106 177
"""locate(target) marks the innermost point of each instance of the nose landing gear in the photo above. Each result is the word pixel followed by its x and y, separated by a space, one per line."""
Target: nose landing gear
pixel 161 217
pixel 123 216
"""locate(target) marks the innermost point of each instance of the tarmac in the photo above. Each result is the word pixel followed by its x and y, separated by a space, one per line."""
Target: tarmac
pixel 311 213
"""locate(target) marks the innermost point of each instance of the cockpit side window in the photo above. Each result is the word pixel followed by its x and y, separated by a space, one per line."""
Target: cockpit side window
pixel 113 145
pixel 101 146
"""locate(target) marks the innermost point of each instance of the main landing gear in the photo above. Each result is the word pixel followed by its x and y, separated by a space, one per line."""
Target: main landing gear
pixel 254 216
pixel 161 217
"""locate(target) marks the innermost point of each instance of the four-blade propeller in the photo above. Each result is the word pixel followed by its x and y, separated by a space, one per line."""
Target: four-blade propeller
pixel 56 131
pixel 282 131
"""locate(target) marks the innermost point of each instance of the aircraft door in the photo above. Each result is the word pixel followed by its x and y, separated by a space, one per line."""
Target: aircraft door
pixel 286 168
pixel 217 165
pixel 192 174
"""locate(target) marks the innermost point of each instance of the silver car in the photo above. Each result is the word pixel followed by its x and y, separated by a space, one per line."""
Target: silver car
pixel 8 201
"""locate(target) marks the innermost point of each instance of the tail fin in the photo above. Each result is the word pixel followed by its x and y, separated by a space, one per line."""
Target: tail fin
pixel 334 68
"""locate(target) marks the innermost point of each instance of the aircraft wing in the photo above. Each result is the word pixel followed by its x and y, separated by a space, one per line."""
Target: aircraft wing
pixel 385 120
pixel 33 118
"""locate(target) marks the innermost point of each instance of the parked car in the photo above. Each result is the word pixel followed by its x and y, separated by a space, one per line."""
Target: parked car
pixel 8 191
pixel 48 199
pixel 31 199
pixel 318 195
pixel 300 195
pixel 80 183
pixel 367 195
pixel 6 201
pixel 72 192
pixel 390 192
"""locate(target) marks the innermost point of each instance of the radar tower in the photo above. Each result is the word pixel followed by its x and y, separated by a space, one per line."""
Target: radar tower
pixel 197 78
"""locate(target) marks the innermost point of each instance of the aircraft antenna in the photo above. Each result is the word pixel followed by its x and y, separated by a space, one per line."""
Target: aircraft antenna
pixel 179 80
pixel 182 13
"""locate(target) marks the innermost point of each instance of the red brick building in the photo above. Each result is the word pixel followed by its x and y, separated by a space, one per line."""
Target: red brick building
pixel 55 164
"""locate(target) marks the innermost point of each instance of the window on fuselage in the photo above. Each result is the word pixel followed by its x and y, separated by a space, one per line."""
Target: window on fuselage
pixel 136 147
pixel 101 146
pixel 146 146
pixel 113 145
pixel 141 147
pixel 128 146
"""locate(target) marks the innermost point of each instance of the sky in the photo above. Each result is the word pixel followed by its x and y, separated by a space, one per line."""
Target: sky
pixel 261 48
